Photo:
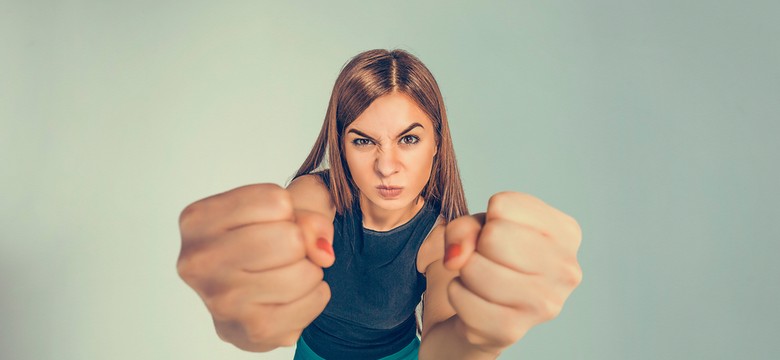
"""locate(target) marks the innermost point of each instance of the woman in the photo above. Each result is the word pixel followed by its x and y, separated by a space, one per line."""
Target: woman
pixel 337 261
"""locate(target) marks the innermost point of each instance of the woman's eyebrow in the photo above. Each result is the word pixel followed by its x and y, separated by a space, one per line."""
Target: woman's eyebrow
pixel 360 133
pixel 408 129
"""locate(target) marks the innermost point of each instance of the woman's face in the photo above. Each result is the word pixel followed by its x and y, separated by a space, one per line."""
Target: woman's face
pixel 389 150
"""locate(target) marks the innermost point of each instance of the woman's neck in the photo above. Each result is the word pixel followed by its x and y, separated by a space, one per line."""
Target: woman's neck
pixel 378 219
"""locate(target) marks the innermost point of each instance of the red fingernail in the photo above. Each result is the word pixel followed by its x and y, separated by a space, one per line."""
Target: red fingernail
pixel 324 245
pixel 451 252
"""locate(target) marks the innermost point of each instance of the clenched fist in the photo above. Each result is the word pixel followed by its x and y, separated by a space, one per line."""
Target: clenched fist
pixel 257 264
pixel 517 265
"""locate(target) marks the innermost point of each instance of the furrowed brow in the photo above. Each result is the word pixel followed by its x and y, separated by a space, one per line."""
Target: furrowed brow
pixel 360 133
pixel 408 129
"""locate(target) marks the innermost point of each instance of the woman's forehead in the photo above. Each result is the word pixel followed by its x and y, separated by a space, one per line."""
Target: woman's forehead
pixel 391 114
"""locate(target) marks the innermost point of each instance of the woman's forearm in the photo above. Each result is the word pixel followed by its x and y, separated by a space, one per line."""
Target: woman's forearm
pixel 444 341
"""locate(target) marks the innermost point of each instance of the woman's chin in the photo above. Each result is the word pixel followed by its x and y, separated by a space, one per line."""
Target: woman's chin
pixel 395 203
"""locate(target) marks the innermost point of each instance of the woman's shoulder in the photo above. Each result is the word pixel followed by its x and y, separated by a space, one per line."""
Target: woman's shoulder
pixel 323 176
pixel 432 247
pixel 310 192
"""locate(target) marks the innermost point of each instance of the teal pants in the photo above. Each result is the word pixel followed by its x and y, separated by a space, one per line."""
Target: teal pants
pixel 304 352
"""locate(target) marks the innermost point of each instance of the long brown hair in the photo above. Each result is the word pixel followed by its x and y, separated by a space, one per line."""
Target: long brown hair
pixel 363 79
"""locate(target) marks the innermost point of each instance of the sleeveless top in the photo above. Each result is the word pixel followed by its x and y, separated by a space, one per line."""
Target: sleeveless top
pixel 375 287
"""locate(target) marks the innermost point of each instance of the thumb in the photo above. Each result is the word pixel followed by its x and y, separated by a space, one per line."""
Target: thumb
pixel 460 239
pixel 317 232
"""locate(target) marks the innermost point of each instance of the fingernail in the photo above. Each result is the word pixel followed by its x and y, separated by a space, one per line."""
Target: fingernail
pixel 324 245
pixel 452 251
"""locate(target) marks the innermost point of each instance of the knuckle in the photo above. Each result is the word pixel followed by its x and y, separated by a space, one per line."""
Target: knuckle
pixel 314 271
pixel 507 326
pixel 225 306
pixel 574 229
pixel 196 264
pixel 496 201
pixel 255 190
pixel 259 332
pixel 504 198
pixel 185 270
pixel 271 187
pixel 515 333
pixel 549 309
pixel 459 221
pixel 500 196
pixel 453 292
pixel 472 271
pixel 491 233
pixel 574 277
pixel 259 327
pixel 264 198
pixel 193 265
pixel 190 215
pixel 506 337
pixel 488 231
pixel 523 197
pixel 475 339
pixel 316 297
pixel 308 273
pixel 323 291
pixel 576 226
pixel 224 336
pixel 278 198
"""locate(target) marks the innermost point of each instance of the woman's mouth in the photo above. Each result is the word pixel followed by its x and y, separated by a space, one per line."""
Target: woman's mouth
pixel 389 192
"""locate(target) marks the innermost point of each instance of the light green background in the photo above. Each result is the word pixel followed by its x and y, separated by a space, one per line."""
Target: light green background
pixel 654 123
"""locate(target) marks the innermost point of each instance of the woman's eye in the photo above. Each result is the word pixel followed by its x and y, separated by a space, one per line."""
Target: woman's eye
pixel 410 139
pixel 361 142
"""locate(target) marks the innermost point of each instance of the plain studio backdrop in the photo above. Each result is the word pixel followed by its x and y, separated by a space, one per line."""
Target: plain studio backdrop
pixel 653 123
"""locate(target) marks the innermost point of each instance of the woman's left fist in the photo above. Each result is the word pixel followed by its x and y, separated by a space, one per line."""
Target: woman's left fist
pixel 517 264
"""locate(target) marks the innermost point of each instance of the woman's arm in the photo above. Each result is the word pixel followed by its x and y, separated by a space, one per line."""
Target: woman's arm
pixel 252 258
pixel 440 336
pixel 516 265
pixel 308 193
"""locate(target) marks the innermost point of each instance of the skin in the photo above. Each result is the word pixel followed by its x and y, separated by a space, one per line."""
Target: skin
pixel 251 255
pixel 515 266
pixel 255 254
pixel 391 143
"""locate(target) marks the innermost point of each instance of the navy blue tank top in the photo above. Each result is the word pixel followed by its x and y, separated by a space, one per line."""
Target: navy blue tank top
pixel 375 288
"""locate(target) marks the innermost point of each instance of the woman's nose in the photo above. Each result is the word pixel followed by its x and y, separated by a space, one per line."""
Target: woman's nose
pixel 386 162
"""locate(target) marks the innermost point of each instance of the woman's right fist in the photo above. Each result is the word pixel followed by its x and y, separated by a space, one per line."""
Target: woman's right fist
pixel 257 264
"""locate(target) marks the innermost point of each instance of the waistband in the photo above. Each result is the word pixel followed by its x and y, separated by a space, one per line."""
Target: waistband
pixel 409 352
